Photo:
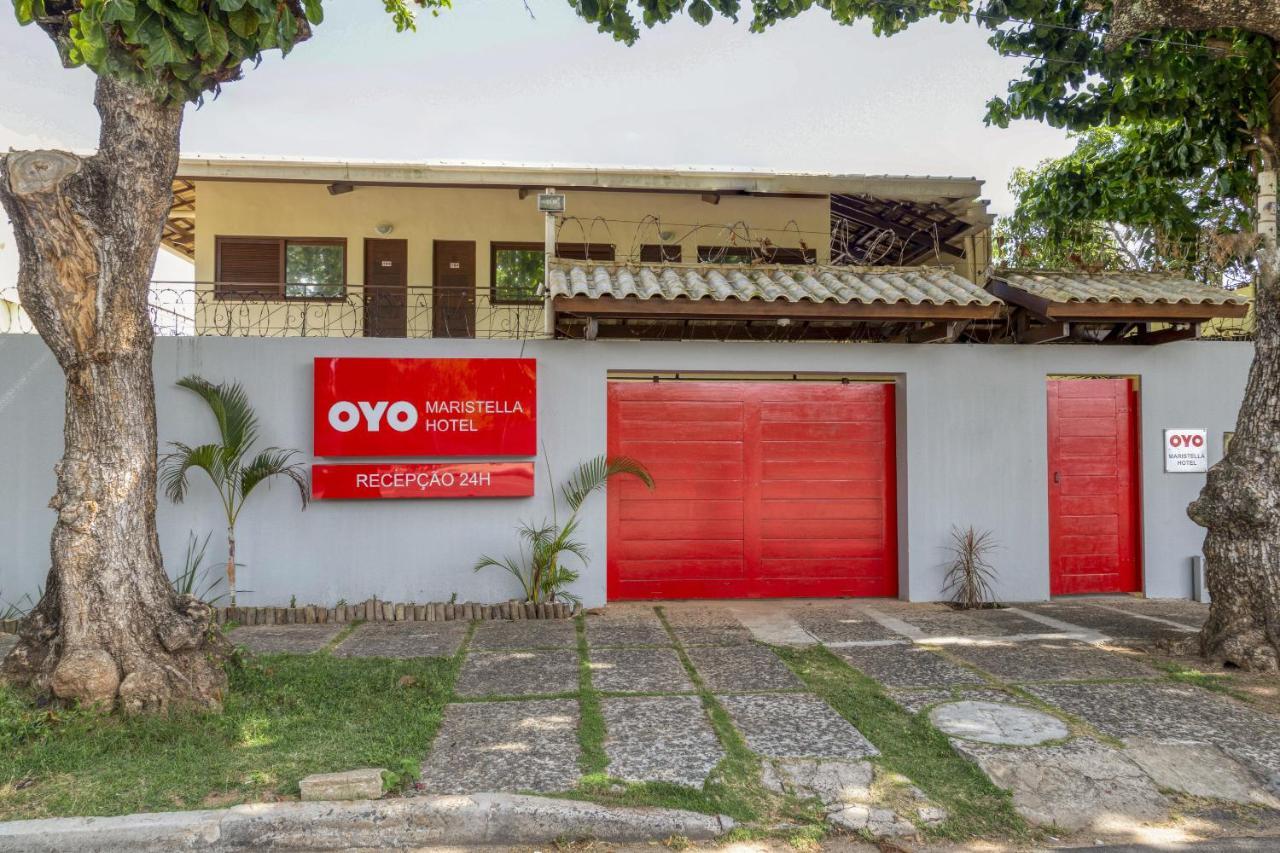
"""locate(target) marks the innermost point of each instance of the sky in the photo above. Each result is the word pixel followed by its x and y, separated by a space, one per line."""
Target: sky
pixel 486 81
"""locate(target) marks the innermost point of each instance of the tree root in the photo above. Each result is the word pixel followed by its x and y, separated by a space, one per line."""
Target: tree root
pixel 179 663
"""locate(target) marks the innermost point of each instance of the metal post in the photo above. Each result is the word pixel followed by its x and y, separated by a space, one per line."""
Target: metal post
pixel 1199 589
pixel 548 253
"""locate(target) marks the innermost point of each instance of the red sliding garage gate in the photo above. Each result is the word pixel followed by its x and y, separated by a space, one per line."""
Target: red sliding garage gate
pixel 763 489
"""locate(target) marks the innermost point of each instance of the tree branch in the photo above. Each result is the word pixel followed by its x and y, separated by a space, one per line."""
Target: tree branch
pixel 1131 18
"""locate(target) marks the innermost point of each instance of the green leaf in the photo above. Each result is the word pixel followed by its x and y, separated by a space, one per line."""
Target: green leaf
pixel 28 10
pixel 314 10
pixel 117 10
pixel 244 21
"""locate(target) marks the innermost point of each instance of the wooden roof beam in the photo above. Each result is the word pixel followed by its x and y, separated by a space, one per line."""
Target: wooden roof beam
pixel 1045 334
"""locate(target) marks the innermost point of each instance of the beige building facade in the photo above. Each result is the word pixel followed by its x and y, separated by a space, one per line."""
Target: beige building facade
pixel 454 247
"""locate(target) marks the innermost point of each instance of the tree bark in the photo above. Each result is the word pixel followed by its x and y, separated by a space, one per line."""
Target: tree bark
pixel 1240 504
pixel 109 629
pixel 1132 18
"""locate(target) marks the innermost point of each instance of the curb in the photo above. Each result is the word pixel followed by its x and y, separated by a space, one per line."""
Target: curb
pixel 408 822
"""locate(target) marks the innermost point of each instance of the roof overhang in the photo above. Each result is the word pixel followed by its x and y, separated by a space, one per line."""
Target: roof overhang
pixel 598 298
pixel 1115 297
pixel 925 188
pixel 682 308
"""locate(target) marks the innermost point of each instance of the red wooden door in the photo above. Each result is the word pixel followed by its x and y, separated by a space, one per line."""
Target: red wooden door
pixel 763 489
pixel 1093 486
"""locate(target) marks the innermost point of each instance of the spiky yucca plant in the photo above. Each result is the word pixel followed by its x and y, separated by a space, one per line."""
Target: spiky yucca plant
pixel 541 570
pixel 970 575
pixel 224 461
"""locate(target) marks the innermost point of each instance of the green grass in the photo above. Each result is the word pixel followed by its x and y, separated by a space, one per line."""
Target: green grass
pixel 286 716
pixel 733 787
pixel 591 731
pixel 1175 671
pixel 911 746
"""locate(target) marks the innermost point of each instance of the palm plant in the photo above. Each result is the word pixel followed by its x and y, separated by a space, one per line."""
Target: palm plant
pixel 225 460
pixel 970 575
pixel 541 569
pixel 193 580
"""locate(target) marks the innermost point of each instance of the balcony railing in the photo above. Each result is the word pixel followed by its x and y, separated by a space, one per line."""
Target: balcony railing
pixel 412 312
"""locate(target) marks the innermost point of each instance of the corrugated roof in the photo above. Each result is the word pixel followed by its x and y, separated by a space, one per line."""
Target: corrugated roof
pixel 1149 288
pixel 817 284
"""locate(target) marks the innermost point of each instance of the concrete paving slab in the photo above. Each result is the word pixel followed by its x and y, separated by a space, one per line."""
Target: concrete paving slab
pixel 1119 626
pixel 842 623
pixel 627 628
pixel 403 640
pixel 1050 660
pixel 915 700
pixel 972 623
pixel 660 739
pixel 504 746
pixel 795 725
pixel 1168 712
pixel 526 634
pixel 906 666
pixel 518 673
pixel 713 636
pixel 638 671
pixel 997 723
pixel 1183 611
pixel 292 639
pixel 741 668
pixel 706 623
pixel 772 625
pixel 1198 769
pixel 1078 785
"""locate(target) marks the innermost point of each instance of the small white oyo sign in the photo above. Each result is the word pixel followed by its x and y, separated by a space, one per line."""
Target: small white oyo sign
pixel 1186 451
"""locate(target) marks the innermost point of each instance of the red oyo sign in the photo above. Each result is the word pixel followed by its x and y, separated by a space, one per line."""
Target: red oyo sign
pixel 425 407
pixel 423 480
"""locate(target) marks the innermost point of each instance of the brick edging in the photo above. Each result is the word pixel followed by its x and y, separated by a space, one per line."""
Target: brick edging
pixel 386 611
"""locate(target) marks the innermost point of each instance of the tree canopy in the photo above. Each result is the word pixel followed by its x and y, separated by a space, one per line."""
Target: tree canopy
pixel 1159 223
pixel 1187 110
pixel 181 49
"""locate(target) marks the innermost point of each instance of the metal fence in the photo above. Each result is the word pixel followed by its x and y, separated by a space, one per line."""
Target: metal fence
pixel 414 312
pixel 184 309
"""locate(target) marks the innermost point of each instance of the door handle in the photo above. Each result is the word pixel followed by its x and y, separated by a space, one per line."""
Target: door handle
pixel 1056 477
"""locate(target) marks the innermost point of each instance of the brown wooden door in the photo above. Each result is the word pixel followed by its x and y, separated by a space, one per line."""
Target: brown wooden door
pixel 386 288
pixel 453 290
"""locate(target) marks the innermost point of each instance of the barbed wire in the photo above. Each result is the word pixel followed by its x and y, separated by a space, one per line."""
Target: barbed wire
pixel 851 243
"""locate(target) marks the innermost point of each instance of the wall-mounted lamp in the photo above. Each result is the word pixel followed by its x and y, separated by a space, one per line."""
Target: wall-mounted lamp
pixel 666 236
pixel 340 187
pixel 384 228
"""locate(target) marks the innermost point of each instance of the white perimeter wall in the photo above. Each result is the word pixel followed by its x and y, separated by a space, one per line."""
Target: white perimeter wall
pixel 972 450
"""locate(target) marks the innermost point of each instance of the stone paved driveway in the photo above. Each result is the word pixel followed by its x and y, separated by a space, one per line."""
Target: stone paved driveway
pixel 515 721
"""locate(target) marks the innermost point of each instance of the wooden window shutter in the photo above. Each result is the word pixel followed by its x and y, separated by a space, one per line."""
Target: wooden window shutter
pixel 584 251
pixel 775 255
pixel 654 253
pixel 250 266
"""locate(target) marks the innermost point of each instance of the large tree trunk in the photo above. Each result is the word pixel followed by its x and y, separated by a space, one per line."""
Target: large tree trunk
pixel 1240 503
pixel 109 628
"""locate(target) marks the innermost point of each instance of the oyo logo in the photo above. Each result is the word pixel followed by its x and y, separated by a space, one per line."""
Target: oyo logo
pixel 1189 440
pixel 345 416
